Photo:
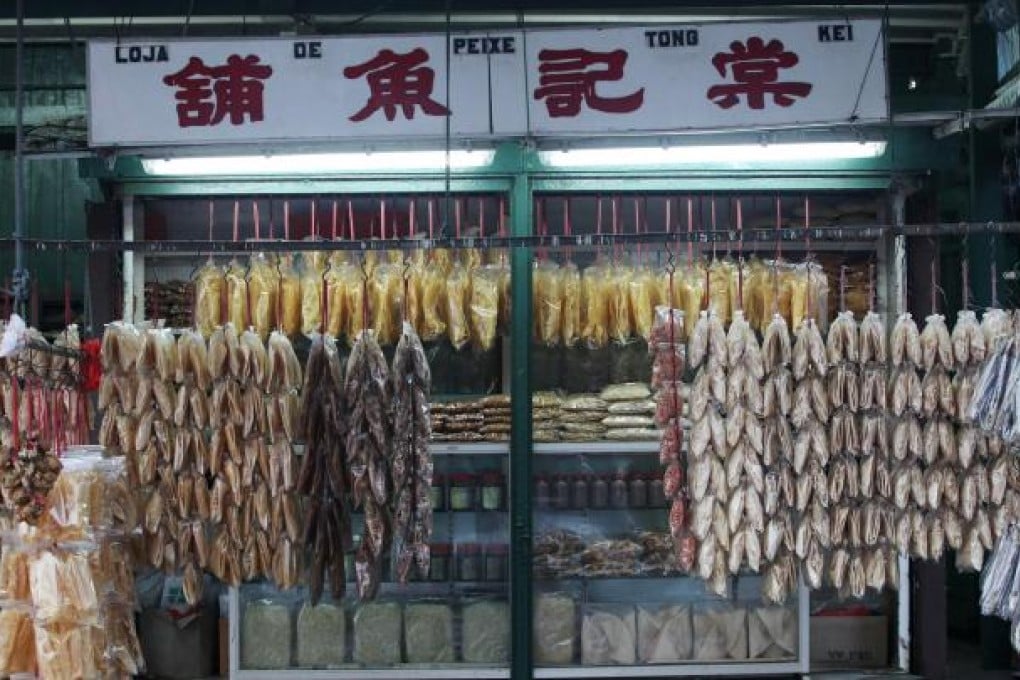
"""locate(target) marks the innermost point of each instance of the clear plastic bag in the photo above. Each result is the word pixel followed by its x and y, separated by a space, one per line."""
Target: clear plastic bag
pixel 209 285
pixel 484 306
pixel 555 632
pixel 237 295
pixel 458 286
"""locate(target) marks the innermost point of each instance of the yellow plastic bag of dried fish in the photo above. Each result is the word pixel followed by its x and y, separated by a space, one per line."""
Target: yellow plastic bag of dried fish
pixel 484 306
pixel 691 297
pixel 433 300
pixel 443 259
pixel 505 296
pixel 571 329
pixel 739 292
pixel 290 296
pixel 596 291
pixel 818 297
pixel 797 284
pixel 620 328
pixel 644 294
pixel 311 293
pixel 458 286
pixel 720 276
pixel 337 278
pixel 263 294
pixel 386 288
pixel 209 288
pixel 547 281
pixel 413 305
pixel 357 298
pixel 237 295
pixel 471 258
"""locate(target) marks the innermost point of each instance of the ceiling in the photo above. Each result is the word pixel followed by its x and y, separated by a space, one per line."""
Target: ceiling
pixel 60 20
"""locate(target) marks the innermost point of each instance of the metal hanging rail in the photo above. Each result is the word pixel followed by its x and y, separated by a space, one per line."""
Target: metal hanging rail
pixel 696 235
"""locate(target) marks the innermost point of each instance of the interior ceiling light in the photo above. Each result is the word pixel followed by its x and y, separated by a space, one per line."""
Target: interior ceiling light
pixel 713 154
pixel 316 163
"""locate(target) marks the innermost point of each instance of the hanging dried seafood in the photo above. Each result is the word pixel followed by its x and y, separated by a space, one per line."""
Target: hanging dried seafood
pixel 323 477
pixel 367 394
pixel 412 466
pixel 779 497
pixel 810 414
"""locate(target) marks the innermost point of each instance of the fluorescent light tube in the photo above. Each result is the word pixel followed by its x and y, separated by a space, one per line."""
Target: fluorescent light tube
pixel 316 163
pixel 713 154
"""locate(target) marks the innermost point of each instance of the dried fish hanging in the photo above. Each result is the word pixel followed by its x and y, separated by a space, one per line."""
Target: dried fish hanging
pixel 326 531
pixel 596 293
pixel 669 353
pixel 905 402
pixel 708 353
pixel 367 392
pixel 571 328
pixel 810 414
pixel 780 571
pixel 411 466
pixel 879 513
pixel 986 475
pixel 162 450
pixel 852 533
pixel 191 465
pixel 943 494
pixel 745 440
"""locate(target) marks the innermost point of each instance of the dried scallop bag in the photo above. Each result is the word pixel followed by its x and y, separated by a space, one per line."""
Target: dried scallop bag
pixel 458 286
pixel 209 291
pixel 484 306
pixel 547 281
pixel 571 320
pixel 596 292
pixel 237 295
pixel 312 285
pixel 263 294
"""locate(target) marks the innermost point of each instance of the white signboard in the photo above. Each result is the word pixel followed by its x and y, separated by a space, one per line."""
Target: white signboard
pixel 492 85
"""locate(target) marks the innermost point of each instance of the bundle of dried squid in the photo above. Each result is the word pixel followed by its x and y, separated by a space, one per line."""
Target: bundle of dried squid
pixel 412 465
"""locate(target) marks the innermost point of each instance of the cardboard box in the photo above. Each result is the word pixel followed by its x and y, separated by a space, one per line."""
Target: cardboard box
pixel 849 641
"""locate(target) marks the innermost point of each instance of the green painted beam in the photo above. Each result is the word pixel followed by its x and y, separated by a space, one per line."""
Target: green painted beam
pixel 521 205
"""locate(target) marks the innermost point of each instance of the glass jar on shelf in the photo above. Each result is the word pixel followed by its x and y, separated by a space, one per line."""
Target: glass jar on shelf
pixel 439 564
pixel 496 561
pixel 469 562
pixel 618 492
pixel 561 493
pixel 437 493
pixel 598 488
pixel 463 491
pixel 637 491
pixel 493 490
pixel 656 491
pixel 579 492
pixel 542 492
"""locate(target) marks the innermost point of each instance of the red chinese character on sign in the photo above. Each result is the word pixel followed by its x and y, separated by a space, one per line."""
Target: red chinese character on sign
pixel 566 82
pixel 755 68
pixel 208 94
pixel 397 80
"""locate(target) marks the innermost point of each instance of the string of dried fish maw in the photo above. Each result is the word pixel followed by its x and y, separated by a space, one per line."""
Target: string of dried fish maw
pixel 483 306
pixel 210 289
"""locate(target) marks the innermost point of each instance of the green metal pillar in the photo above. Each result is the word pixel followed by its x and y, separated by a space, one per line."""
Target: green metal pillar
pixel 520 438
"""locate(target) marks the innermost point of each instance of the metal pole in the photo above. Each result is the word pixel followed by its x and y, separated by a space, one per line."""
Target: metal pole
pixel 19 279
pixel 520 439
